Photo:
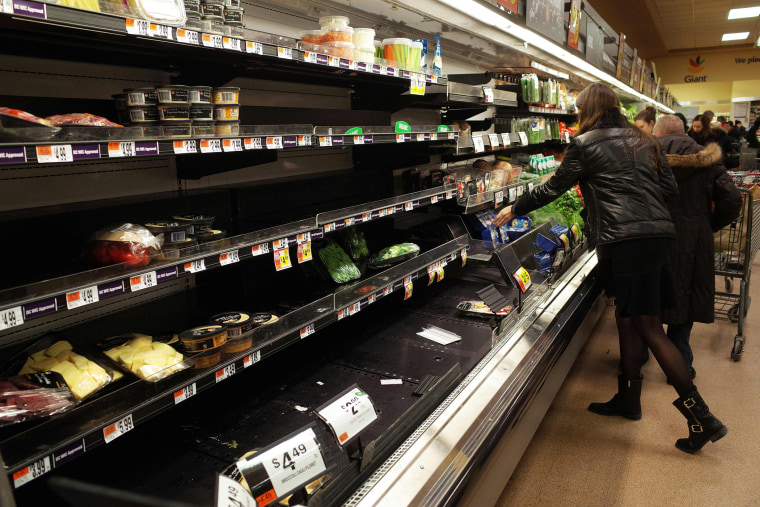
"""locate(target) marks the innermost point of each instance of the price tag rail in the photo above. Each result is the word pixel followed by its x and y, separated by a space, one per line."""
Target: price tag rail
pixel 486 200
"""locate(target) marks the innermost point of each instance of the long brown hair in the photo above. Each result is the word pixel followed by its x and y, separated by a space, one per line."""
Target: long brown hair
pixel 594 102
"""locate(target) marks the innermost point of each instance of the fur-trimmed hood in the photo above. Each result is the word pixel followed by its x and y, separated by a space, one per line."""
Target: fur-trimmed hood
pixel 708 156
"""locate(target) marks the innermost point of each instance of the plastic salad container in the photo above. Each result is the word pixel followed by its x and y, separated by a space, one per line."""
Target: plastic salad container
pixel 364 38
pixel 339 49
pixel 326 21
pixel 166 12
pixel 414 60
pixel 394 254
pixel 312 36
pixel 338 34
pixel 396 51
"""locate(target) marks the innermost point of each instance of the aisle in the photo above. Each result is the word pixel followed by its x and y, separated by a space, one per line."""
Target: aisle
pixel 578 458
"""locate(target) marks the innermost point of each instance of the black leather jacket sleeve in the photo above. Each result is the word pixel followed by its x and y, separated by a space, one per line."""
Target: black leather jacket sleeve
pixel 667 180
pixel 567 175
pixel 727 198
pixel 752 135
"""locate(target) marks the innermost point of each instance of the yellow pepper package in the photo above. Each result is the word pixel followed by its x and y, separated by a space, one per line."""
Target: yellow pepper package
pixel 147 357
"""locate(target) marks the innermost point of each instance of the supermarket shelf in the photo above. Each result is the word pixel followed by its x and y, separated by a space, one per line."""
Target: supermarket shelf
pixel 481 142
pixel 354 136
pixel 550 110
pixel 44 446
pixel 480 95
pixel 20 305
pixel 505 196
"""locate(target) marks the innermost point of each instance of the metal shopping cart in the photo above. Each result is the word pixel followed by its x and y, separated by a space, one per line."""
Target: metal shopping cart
pixel 735 249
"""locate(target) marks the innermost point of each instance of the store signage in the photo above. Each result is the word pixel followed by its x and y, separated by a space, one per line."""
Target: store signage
pixel 290 464
pixel 546 17
pixel 40 308
pixel 231 493
pixel 574 30
pixel 696 67
pixel 348 414
pixel 15 155
pixel 32 9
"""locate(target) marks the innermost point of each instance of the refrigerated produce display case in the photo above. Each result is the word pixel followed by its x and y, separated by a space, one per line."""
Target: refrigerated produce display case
pixel 285 311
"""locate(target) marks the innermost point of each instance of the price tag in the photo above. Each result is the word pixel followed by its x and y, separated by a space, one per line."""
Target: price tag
pixel 399 138
pixel 567 137
pixel 252 358
pixel 408 288
pixel 325 141
pixel 82 297
pixel 225 373
pixel 523 138
pixel 523 278
pixel 280 244
pixel 184 393
pixel 348 415
pixel 307 331
pixel 182 147
pixel 253 143
pixel 160 31
pixel 282 259
pixel 56 153
pixel 358 139
pixel 558 259
pixel 285 53
pixel 137 27
pixel 520 190
pixel 229 145
pixel 530 187
pixel 121 149
pixel 304 252
pixel 463 253
pixel 512 194
pixel 274 143
pixel 433 199
pixel 211 146
pixel 294 462
pixel 505 141
pixel 228 258
pixel 11 317
pixel 117 429
pixel 440 272
pixel 498 197
pixel 255 48
pixel 388 290
pixel 477 143
pixel 354 309
pixel 431 274
pixel 143 281
pixel 488 94
pixel 434 136
pixel 450 194
pixel 231 43
pixel 260 249
pixel 408 206
pixel 230 493
pixel 188 36
pixel 371 299
pixel 195 266
pixel 31 472
pixel 212 41
pixel 494 139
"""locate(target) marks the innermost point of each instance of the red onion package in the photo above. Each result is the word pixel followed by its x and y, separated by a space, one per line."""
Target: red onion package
pixel 128 243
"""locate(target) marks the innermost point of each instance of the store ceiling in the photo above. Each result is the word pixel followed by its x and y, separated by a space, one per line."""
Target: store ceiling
pixel 682 26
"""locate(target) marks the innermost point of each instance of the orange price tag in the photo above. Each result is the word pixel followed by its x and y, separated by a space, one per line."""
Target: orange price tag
pixel 267 498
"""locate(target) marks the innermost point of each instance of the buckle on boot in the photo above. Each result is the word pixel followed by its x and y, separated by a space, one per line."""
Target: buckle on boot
pixel 696 428
pixel 687 401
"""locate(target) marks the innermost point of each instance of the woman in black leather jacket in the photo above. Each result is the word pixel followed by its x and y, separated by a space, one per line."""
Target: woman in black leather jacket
pixel 625 180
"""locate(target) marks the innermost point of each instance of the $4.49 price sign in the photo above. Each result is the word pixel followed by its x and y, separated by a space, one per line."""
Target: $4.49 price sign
pixel 292 463
pixel 349 414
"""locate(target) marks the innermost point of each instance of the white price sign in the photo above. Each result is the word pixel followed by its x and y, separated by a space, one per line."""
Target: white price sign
pixel 280 244
pixel 212 41
pixel 433 199
pixel 294 462
pixel 228 258
pixel 229 145
pixel 55 153
pixel 494 139
pixel 325 141
pixel 82 297
pixel 512 194
pixel 358 139
pixel 274 143
pixel 505 141
pixel 231 43
pixel 498 197
pixel 225 373
pixel 184 393
pixel 488 94
pixel 211 145
pixel 117 429
pixel 307 331
pixel 530 187
pixel 195 266
pixel 523 138
pixel 188 36
pixel 285 53
pixel 11 317
pixel 251 358
pixel 253 143
pixel 303 238
pixel 349 414
pixel 183 147
pixel 143 281
pixel 260 249
pixel 122 149
pixel 160 31
pixel 408 206
pixel 31 472
pixel 255 48
pixel 400 138
pixel 137 27
pixel 477 143
pixel 231 493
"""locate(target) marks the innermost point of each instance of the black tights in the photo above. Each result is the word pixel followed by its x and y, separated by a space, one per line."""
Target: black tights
pixel 633 332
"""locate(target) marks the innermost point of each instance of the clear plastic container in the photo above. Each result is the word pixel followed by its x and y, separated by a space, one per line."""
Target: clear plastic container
pixel 414 59
pixel 237 31
pixel 200 95
pixel 141 97
pixel 204 129
pixel 326 21
pixel 176 130
pixel 339 49
pixel 192 6
pixel 178 249
pixel 168 231
pixel 312 36
pixel 139 114
pixel 396 52
pixel 217 25
pixel 232 3
pixel 227 113
pixel 172 94
pixel 173 113
pixel 226 30
pixel 364 38
pixel 165 12
pixel 232 14
pixel 226 96
pixel 198 224
pixel 227 128
pixel 202 112
pixel 212 11
pixel 366 55
pixel 338 34
pixel 201 25
pixel 379 49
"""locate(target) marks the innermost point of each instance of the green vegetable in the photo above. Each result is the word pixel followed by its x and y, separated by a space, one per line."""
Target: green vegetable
pixel 355 244
pixel 568 206
pixel 390 254
pixel 338 264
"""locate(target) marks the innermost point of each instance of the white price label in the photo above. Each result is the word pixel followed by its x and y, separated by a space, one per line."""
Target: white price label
pixel 520 190
pixel 274 143
pixel 160 31
pixel 280 244
pixel 231 43
pixel 388 290
pixel 333 61
pixel 229 145
pixel 137 27
pixel 188 36
pixel 82 297
pixel 211 145
pixel 56 153
pixel 567 137
pixel 505 141
pixel 450 194
pixel 498 197
pixel 228 258
pixel 285 53
pixel 282 259
pixel 31 472
pixel 477 143
pixel 325 141
pixel 304 140
pixel 523 138
pixel 420 137
pixel 294 462
pixel 433 199
pixel 253 143
pixel 530 187
pixel 307 331
pixel 143 281
pixel 434 136
pixel 512 194
pixel 488 94
pixel 231 493
pixel 184 393
pixel 494 139
pixel 255 48
pixel 251 359
pixel 358 139
pixel 121 149
pixel 400 138
pixel 349 415
pixel 183 147
pixel 260 249
pixel 408 206
pixel 225 373
pixel 11 317
pixel 195 266
pixel 117 429
pixel 371 299
pixel 212 41
pixel 303 238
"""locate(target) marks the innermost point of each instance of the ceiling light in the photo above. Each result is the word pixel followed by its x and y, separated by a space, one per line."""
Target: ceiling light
pixel 746 12
pixel 735 36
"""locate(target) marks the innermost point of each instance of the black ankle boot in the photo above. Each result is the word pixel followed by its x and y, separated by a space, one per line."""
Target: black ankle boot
pixel 703 426
pixel 626 403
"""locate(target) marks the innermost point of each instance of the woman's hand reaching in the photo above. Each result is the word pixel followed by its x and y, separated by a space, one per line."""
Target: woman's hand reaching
pixel 504 216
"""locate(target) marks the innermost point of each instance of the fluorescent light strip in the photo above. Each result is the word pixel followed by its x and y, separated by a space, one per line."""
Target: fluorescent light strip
pixel 735 36
pixel 745 12
pixel 488 17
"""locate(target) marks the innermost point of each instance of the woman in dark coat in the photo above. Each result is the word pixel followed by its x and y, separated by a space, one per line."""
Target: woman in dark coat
pixel 702 180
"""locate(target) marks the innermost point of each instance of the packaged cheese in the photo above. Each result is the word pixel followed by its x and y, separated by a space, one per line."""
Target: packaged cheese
pixel 147 357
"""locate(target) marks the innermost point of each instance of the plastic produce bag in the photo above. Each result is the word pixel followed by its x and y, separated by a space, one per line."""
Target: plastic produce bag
pixel 355 244
pixel 80 119
pixel 338 263
pixel 32 396
pixel 129 243
pixel 394 254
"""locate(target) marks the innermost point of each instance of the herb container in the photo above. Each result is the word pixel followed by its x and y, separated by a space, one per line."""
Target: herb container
pixel 264 318
pixel 236 31
pixel 207 358
pixel 206 239
pixel 173 94
pixel 227 113
pixel 174 113
pixel 203 338
pixel 202 112
pixel 198 24
pixel 192 6
pixel 226 96
pixel 237 323
pixel 141 97
pixel 204 129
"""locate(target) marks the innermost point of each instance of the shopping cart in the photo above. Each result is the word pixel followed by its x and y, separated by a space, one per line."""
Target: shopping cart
pixel 735 249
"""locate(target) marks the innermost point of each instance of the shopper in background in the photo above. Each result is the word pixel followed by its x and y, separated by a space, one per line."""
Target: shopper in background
pixel 700 130
pixel 645 119
pixel 725 143
pixel 625 181
pixel 752 134
pixel 739 130
pixel 702 180
pixel 683 119
pixel 710 115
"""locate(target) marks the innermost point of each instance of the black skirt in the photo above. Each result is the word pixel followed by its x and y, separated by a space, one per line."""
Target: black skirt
pixel 637 274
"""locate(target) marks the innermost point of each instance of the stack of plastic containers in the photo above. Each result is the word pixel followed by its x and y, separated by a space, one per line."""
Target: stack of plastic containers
pixel 337 36
pixel 364 45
